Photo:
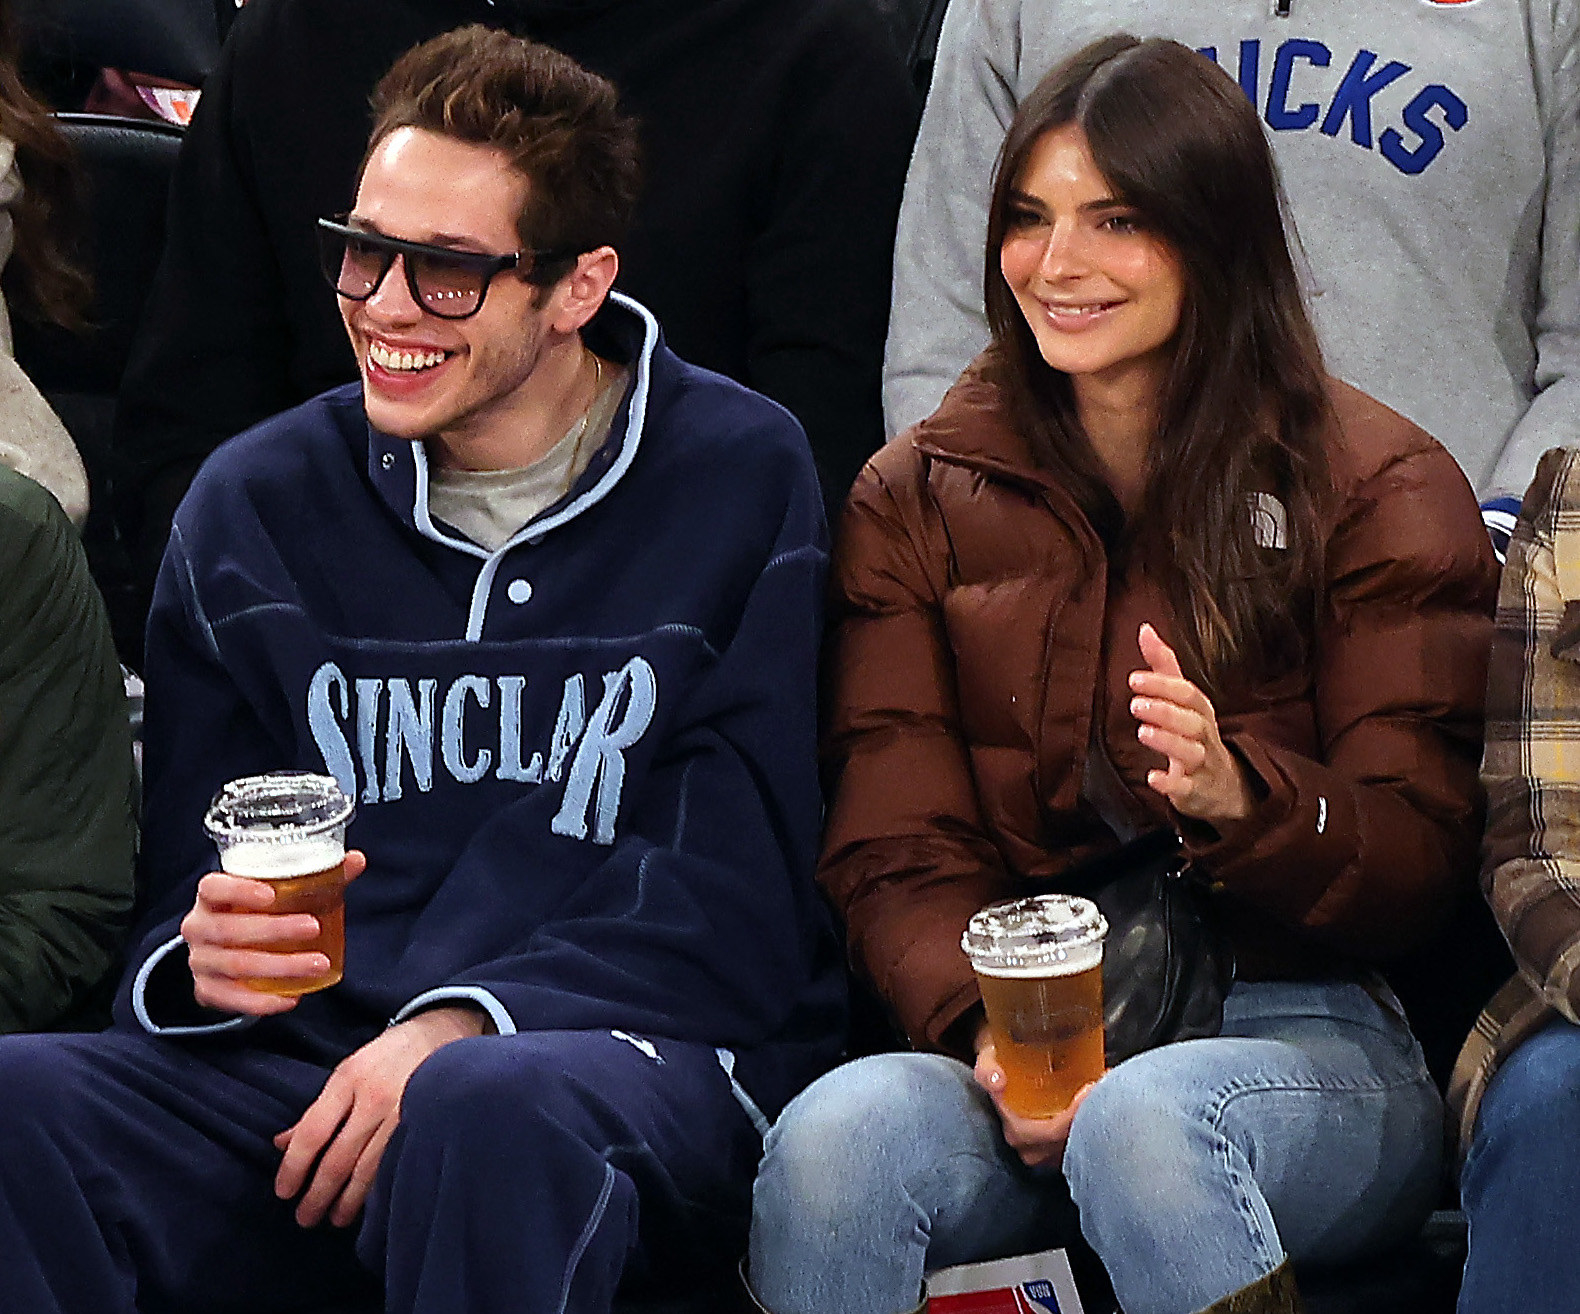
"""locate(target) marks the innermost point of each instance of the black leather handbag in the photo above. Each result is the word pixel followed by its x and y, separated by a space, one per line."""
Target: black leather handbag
pixel 1166 963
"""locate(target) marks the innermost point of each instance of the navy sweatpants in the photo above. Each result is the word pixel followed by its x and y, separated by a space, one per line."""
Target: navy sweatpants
pixel 529 1173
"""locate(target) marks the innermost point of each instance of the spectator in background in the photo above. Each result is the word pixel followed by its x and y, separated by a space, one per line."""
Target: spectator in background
pixel 1516 1089
pixel 1431 154
pixel 37 189
pixel 66 828
pixel 775 137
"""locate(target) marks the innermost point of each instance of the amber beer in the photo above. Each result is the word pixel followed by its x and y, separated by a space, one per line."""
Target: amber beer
pixel 1039 966
pixel 289 828
pixel 308 877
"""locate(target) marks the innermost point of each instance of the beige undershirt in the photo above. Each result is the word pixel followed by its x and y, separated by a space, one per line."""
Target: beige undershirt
pixel 491 506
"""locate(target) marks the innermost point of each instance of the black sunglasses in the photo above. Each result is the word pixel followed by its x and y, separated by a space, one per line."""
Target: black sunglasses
pixel 442 280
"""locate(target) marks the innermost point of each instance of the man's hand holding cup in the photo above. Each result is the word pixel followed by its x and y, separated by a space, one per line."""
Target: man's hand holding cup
pixel 270 925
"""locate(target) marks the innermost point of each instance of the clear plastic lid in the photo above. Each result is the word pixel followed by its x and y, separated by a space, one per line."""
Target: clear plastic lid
pixel 1045 935
pixel 281 807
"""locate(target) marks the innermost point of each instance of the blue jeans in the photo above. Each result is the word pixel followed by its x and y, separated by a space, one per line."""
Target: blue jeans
pixel 1309 1128
pixel 1521 1182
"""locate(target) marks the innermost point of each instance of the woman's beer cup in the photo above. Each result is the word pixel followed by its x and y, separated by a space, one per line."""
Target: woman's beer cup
pixel 289 828
pixel 1039 964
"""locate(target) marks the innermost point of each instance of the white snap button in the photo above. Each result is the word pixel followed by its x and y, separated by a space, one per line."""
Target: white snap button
pixel 518 590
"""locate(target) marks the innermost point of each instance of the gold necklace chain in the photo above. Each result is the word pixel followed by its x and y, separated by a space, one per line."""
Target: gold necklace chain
pixel 582 426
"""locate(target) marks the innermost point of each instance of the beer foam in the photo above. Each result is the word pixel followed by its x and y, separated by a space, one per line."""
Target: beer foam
pixel 1075 958
pixel 273 860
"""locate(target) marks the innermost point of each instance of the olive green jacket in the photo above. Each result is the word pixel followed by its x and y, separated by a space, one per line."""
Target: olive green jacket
pixel 67 833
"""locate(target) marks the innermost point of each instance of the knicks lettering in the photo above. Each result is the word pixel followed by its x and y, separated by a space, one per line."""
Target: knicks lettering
pixel 1301 69
pixel 405 733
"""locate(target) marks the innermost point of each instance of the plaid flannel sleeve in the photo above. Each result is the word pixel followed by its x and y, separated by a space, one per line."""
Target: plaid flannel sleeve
pixel 1531 849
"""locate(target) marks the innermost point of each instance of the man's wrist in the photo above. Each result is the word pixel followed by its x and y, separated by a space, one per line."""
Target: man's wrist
pixel 452 1021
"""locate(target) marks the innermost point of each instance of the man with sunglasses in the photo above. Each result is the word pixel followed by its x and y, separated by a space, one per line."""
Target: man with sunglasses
pixel 776 134
pixel 544 600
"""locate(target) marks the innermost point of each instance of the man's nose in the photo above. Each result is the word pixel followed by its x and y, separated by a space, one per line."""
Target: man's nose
pixel 392 299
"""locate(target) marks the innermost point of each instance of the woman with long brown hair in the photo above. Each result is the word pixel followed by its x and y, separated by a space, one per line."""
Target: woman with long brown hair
pixel 1147 570
pixel 38 191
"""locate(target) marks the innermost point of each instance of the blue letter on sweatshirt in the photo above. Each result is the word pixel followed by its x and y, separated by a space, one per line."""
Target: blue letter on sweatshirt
pixel 1250 68
pixel 369 692
pixel 631 694
pixel 511 688
pixel 409 735
pixel 329 681
pixel 1413 161
pixel 1353 99
pixel 1279 116
pixel 453 723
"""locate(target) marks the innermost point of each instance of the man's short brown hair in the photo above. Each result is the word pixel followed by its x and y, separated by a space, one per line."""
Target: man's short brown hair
pixel 553 120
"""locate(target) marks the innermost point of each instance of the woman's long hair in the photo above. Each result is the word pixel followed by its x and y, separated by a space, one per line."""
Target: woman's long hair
pixel 1243 401
pixel 50 283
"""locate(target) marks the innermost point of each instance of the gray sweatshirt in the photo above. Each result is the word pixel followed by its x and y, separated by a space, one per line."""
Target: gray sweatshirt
pixel 1431 153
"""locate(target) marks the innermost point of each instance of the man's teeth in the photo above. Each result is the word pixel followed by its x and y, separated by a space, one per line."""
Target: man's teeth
pixel 403 360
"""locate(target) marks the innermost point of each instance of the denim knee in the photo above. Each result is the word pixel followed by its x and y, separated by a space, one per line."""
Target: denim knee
pixel 856 1141
pixel 1519 1181
pixel 1134 1127
pixel 1536 1094
pixel 1165 1199
pixel 1531 1112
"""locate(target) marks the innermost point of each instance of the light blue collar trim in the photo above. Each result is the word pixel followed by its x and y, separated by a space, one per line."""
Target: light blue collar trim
pixel 630 441
pixel 533 531
pixel 424 521
pixel 636 419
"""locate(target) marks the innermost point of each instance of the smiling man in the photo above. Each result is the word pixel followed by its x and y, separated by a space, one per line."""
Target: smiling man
pixel 545 601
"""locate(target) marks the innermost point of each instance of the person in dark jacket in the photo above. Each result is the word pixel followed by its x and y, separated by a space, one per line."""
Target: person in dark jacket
pixel 545 601
pixel 775 137
pixel 66 821
pixel 1146 572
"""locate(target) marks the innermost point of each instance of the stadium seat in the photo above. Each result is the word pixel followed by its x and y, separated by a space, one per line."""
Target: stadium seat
pixel 128 164
pixel 173 39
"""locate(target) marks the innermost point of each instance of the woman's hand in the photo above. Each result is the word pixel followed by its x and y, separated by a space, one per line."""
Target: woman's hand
pixel 1204 779
pixel 1039 1141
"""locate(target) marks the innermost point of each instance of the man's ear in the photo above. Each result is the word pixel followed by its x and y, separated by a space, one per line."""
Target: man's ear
pixel 577 297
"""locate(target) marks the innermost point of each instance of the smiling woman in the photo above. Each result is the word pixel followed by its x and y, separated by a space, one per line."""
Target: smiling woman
pixel 1214 364
pixel 1100 292
pixel 1146 570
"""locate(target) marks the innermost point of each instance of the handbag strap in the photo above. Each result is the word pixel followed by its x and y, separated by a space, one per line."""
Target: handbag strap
pixel 1158 849
pixel 1141 844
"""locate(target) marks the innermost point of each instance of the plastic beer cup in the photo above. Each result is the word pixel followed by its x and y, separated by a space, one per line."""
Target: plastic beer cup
pixel 289 828
pixel 1039 965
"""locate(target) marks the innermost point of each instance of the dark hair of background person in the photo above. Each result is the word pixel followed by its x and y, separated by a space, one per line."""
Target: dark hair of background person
pixel 42 277
pixel 557 123
pixel 1244 397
